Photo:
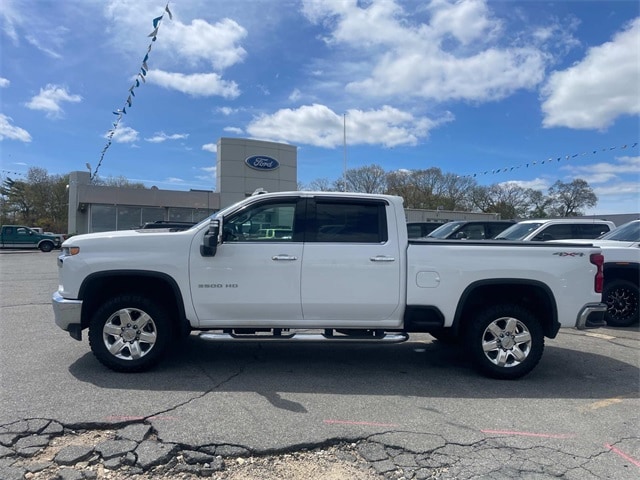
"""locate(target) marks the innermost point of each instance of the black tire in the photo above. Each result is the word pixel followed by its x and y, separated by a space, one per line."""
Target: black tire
pixel 621 297
pixel 130 333
pixel 505 341
pixel 46 247
pixel 446 336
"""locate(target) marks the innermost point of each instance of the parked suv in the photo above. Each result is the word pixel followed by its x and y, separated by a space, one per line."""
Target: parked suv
pixel 422 229
pixel 557 229
pixel 471 230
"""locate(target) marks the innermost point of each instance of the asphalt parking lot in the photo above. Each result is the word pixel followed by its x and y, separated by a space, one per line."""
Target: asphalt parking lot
pixel 413 410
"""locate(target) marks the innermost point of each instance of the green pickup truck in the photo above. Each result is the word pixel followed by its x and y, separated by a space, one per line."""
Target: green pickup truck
pixel 18 236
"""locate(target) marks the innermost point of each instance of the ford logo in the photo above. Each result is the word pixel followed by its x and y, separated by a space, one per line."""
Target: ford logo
pixel 262 162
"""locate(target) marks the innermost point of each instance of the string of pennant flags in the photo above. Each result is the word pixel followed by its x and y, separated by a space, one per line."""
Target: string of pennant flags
pixel 139 80
pixel 550 160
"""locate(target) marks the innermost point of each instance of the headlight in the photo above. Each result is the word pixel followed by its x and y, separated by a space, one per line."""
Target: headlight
pixel 70 251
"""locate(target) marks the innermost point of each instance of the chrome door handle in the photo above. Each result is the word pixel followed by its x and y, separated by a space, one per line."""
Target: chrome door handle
pixel 382 258
pixel 283 257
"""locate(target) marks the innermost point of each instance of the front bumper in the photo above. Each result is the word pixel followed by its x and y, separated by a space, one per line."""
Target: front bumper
pixel 68 314
pixel 591 316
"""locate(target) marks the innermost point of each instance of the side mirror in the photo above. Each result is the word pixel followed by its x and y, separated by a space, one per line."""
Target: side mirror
pixel 210 241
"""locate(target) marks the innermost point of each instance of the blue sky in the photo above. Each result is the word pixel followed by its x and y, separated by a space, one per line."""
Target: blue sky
pixel 508 91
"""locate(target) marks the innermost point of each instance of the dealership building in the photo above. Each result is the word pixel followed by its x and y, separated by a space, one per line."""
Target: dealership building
pixel 243 166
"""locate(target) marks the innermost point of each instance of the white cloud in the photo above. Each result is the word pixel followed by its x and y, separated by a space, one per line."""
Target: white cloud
pixel 234 130
pixel 295 95
pixel 50 99
pixel 215 44
pixel 12 132
pixel 455 54
pixel 621 170
pixel 209 175
pixel 602 87
pixel 125 135
pixel 4 82
pixel 196 85
pixel 227 110
pixel 541 184
pixel 160 137
pixel 210 147
pixel 318 125
pixel 11 19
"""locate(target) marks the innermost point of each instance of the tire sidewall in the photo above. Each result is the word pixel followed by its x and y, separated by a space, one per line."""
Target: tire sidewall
pixel 621 285
pixel 46 247
pixel 158 314
pixel 475 334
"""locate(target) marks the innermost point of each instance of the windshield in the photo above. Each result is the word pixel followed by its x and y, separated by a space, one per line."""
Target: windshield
pixel 629 232
pixel 445 230
pixel 518 231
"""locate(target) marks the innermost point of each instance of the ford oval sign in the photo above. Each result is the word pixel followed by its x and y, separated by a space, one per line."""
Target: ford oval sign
pixel 262 162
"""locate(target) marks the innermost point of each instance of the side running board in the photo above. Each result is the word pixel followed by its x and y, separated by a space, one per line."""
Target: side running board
pixel 306 337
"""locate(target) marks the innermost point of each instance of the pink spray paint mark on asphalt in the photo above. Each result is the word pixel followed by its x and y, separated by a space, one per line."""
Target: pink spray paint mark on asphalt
pixel 628 458
pixel 529 434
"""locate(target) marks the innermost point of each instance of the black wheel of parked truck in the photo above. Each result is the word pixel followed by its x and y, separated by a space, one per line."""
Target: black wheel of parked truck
pixel 45 247
pixel 622 299
pixel 505 341
pixel 130 333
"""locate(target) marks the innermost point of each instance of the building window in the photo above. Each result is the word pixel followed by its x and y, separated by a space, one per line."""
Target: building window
pixel 103 218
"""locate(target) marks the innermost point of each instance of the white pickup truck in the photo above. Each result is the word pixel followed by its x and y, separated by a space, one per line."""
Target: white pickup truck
pixel 621 292
pixel 330 267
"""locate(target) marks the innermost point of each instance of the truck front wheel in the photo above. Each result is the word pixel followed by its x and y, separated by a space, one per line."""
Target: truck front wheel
pixel 505 341
pixel 129 333
pixel 46 246
pixel 621 297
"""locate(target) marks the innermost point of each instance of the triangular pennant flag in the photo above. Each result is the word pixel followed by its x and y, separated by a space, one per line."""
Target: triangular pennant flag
pixel 144 65
pixel 156 21
pixel 154 33
pixel 166 9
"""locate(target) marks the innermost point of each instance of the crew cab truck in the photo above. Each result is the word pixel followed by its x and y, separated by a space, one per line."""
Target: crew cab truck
pixel 346 273
pixel 18 237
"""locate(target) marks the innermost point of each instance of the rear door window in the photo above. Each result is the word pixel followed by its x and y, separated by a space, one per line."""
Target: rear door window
pixel 346 221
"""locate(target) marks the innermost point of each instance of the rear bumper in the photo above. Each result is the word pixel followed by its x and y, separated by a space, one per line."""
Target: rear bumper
pixel 591 316
pixel 68 314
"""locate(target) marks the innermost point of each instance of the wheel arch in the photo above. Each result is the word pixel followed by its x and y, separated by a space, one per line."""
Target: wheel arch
pixel 100 286
pixel 533 295
pixel 622 271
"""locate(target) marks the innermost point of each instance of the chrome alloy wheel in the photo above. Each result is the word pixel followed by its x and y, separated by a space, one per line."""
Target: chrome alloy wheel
pixel 506 342
pixel 129 334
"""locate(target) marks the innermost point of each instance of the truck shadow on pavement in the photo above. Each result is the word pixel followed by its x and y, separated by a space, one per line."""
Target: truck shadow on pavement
pixel 414 368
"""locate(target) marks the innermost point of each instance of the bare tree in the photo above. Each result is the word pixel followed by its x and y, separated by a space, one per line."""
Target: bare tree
pixel 119 181
pixel 570 198
pixel 508 199
pixel 368 179
pixel 539 204
pixel 320 185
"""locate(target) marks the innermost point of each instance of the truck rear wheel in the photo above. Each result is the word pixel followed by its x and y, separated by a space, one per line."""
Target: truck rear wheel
pixel 621 297
pixel 505 341
pixel 46 246
pixel 130 333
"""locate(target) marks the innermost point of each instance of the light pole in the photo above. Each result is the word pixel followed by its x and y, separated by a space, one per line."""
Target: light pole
pixel 344 141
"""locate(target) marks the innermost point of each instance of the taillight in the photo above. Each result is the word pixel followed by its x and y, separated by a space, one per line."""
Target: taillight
pixel 598 260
